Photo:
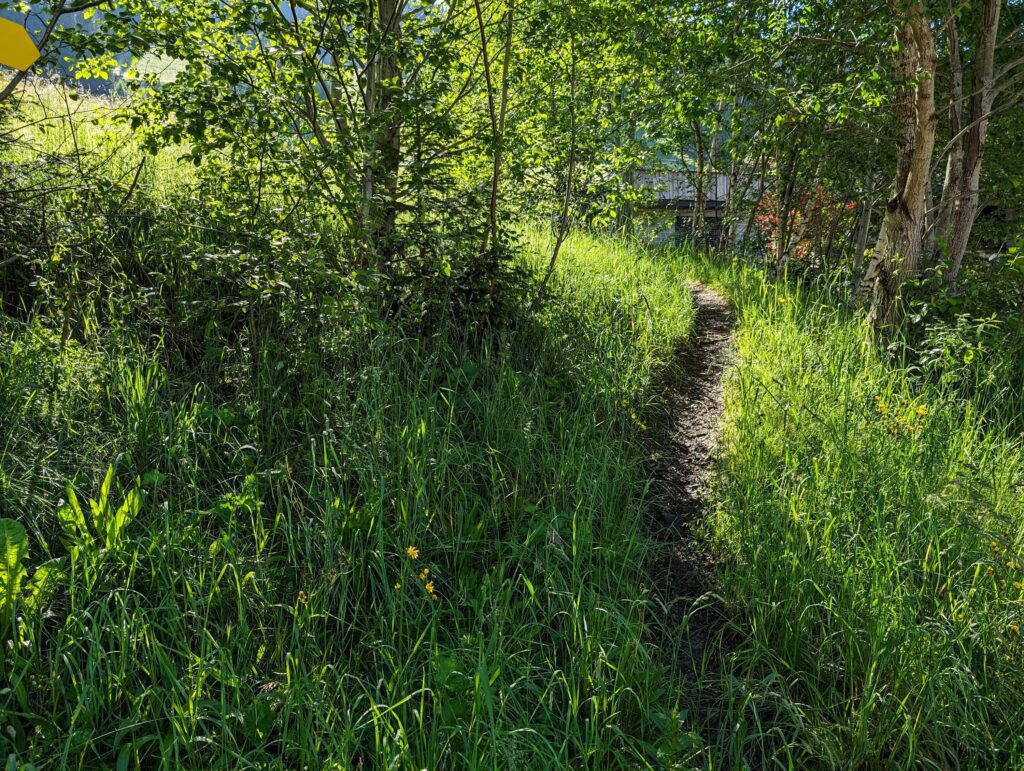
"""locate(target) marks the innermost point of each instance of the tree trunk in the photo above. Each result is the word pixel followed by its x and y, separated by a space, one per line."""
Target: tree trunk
pixel 710 169
pixel 748 228
pixel 726 235
pixel 570 175
pixel 965 207
pixel 698 183
pixel 786 187
pixel 860 244
pixel 369 116
pixel 939 240
pixel 897 255
pixel 497 115
pixel 383 99
pixel 826 254
pixel 727 218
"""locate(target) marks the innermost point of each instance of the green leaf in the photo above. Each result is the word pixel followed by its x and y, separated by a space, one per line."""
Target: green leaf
pixel 152 478
pixel 99 508
pixel 43 584
pixel 124 516
pixel 529 586
pixel 72 518
pixel 13 551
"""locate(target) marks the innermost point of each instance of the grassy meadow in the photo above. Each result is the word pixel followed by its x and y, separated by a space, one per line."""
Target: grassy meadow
pixel 411 553
pixel 252 521
pixel 869 519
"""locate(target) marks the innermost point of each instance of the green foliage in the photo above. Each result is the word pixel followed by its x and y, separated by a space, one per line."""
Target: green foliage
pixel 870 523
pixel 34 595
pixel 13 550
pixel 368 499
pixel 267 613
pixel 959 354
pixel 106 524
pixel 966 343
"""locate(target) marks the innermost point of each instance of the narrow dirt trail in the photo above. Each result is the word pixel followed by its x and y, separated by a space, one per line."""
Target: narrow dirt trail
pixel 683 572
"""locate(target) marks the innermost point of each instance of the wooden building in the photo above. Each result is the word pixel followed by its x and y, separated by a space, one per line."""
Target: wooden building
pixel 673 209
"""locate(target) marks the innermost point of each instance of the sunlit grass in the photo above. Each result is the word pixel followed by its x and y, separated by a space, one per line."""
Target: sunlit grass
pixel 431 558
pixel 871 525
pixel 362 548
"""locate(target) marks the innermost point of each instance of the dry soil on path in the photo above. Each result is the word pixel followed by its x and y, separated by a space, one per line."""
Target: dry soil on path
pixel 682 574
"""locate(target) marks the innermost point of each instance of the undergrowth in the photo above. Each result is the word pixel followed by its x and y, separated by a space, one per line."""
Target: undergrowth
pixel 249 520
pixel 869 520
pixel 424 553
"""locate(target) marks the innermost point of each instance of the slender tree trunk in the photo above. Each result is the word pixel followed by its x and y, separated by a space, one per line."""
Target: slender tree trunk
pixel 939 239
pixel 698 182
pixel 759 196
pixel 497 115
pixel 728 219
pixel 928 234
pixel 798 229
pixel 786 187
pixel 826 254
pixel 570 175
pixel 383 95
pixel 369 93
pixel 897 254
pixel 965 207
pixel 502 115
pixel 860 244
pixel 711 187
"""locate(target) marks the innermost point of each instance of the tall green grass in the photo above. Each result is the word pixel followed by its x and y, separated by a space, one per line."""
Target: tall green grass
pixel 306 469
pixel 870 523
pixel 270 604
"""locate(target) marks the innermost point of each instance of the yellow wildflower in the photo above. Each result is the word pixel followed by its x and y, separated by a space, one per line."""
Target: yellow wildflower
pixel 921 411
pixel 1014 628
pixel 430 586
pixel 398 584
pixel 424 573
pixel 1017 585
pixel 412 552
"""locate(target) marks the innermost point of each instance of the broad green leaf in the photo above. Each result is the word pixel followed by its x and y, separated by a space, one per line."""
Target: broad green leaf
pixel 13 551
pixel 99 508
pixel 125 514
pixel 43 584
pixel 72 518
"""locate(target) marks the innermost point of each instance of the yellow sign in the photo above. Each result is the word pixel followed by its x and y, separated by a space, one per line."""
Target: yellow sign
pixel 16 47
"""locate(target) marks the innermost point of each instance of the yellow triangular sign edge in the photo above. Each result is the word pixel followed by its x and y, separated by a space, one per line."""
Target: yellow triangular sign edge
pixel 16 47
